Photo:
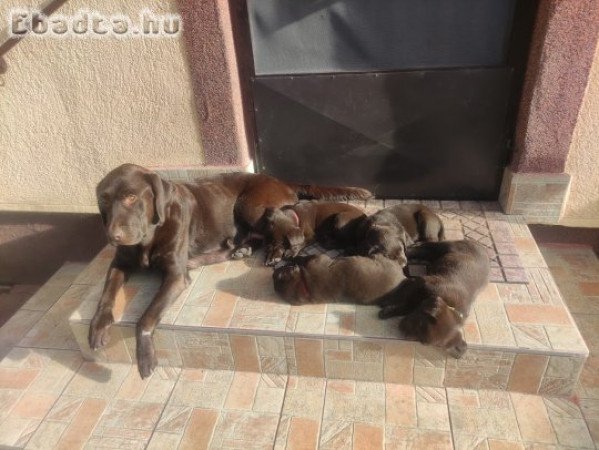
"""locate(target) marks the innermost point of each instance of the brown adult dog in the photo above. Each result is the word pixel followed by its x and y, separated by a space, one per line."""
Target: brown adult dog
pixel 436 305
pixel 355 279
pixel 174 226
pixel 290 228
pixel 391 230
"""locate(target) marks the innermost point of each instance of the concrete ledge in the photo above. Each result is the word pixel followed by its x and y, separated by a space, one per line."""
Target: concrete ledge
pixel 538 197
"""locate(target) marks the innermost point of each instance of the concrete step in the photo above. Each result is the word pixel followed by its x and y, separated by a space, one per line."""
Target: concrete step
pixel 521 335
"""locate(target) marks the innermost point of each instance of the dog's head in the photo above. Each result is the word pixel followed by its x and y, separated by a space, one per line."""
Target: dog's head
pixel 282 227
pixel 436 323
pixel 290 284
pixel 388 240
pixel 132 201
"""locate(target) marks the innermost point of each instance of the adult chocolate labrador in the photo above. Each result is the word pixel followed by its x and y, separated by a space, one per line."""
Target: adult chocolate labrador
pixel 177 226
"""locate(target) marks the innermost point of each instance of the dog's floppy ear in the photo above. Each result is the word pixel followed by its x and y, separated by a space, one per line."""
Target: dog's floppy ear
pixel 434 308
pixel 159 198
pixel 415 326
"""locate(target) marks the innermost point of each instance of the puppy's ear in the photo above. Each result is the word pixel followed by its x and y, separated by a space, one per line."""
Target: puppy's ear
pixel 415 326
pixel 435 307
pixel 159 198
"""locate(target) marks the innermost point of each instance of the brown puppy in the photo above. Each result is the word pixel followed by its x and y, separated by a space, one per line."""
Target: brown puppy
pixel 354 279
pixel 291 228
pixel 436 305
pixel 174 226
pixel 391 230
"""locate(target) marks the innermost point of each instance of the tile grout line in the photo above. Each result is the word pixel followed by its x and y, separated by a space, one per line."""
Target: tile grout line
pixel 280 411
pixel 164 408
pixel 516 414
pixel 449 415
pixel 320 425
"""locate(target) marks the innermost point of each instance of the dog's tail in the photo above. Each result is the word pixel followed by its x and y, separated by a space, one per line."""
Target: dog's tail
pixel 312 192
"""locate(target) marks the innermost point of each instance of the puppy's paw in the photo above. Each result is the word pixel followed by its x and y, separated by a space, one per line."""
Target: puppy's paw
pixel 274 256
pixel 146 356
pixel 241 252
pixel 99 335
pixel 271 262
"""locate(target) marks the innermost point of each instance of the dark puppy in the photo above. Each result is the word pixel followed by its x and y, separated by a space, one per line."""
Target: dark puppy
pixel 291 228
pixel 354 279
pixel 176 226
pixel 392 229
pixel 436 305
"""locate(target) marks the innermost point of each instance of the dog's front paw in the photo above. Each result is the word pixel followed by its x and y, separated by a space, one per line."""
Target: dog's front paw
pixel 99 327
pixel 146 356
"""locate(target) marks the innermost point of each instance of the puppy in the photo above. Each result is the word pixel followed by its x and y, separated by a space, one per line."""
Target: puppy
pixel 354 279
pixel 392 229
pixel 436 305
pixel 291 228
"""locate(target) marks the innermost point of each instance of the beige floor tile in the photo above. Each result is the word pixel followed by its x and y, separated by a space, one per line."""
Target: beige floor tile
pixel 98 380
pixel 200 429
pixel 304 397
pixel 533 419
pixel 47 435
pixel 245 429
pixel 397 438
pixel 210 392
pixel 494 423
pixel 336 435
pixel 161 441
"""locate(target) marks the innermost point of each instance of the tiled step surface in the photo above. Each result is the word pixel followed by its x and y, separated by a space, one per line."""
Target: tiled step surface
pixel 521 336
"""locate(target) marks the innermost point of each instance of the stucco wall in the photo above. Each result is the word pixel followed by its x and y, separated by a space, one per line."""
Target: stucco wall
pixel 582 205
pixel 72 109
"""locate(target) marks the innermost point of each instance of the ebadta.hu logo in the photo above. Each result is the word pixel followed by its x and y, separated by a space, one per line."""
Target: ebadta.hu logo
pixel 84 23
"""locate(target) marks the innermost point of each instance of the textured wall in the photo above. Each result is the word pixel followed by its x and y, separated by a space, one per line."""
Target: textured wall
pixel 582 206
pixel 563 45
pixel 72 109
pixel 216 77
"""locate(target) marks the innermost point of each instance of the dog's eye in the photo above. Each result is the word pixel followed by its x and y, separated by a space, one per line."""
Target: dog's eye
pixel 130 199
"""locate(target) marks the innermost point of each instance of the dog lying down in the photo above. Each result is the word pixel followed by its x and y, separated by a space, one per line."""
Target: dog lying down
pixel 436 305
pixel 291 228
pixel 352 279
pixel 391 230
